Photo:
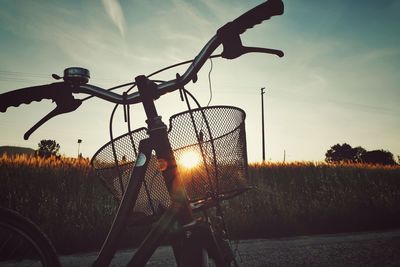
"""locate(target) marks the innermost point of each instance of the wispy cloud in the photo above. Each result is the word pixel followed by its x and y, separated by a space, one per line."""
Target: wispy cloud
pixel 114 11
pixel 225 11
pixel 196 17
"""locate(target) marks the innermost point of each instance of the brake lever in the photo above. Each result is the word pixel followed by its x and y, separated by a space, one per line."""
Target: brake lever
pixel 62 107
pixel 246 49
pixel 233 48
pixel 235 51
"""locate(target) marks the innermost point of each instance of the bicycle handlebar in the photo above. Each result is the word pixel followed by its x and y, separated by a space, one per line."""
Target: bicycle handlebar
pixel 228 36
pixel 256 15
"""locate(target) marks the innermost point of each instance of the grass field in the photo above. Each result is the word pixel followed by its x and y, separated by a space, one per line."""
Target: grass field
pixel 67 200
pixel 63 196
pixel 305 198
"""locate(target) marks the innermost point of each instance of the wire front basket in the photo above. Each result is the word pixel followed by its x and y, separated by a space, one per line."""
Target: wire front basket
pixel 210 149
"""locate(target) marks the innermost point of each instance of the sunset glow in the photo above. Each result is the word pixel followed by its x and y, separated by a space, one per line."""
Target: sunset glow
pixel 189 159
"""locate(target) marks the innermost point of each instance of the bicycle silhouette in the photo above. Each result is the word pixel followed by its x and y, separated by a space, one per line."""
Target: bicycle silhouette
pixel 174 177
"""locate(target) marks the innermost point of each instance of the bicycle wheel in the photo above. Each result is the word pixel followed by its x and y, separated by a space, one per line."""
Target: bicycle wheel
pixel 22 243
pixel 203 257
pixel 207 261
pixel 203 247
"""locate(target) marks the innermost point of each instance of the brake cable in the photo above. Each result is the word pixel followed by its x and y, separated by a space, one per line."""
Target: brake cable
pixel 133 84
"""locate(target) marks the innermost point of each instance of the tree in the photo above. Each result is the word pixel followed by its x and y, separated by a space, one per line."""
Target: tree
pixel 48 148
pixel 344 153
pixel 378 157
pixel 359 152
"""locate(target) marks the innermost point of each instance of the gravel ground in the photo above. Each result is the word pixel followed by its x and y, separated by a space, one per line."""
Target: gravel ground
pixel 355 249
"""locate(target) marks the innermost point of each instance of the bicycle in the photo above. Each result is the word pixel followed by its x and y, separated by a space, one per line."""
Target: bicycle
pixel 23 242
pixel 141 168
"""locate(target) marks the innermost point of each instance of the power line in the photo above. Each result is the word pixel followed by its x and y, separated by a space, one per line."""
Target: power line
pixel 17 76
pixel 24 77
pixel 17 73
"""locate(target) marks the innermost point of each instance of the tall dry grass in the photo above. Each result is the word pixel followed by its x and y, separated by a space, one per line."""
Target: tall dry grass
pixel 67 200
pixel 62 196
pixel 306 197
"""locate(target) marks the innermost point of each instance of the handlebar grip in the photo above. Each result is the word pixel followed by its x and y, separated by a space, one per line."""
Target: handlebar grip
pixel 27 95
pixel 256 15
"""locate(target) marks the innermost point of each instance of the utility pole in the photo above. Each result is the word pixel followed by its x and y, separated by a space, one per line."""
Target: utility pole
pixel 262 123
pixel 79 145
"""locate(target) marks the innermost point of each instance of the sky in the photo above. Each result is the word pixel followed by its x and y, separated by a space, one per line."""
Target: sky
pixel 338 82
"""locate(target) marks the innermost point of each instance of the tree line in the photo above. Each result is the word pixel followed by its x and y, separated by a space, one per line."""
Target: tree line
pixel 338 153
pixel 346 153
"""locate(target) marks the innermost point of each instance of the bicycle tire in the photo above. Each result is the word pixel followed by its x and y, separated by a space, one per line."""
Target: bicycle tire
pixel 207 260
pixel 203 258
pixel 22 243
pixel 203 247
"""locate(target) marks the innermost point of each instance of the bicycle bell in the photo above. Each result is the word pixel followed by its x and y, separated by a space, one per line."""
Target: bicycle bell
pixel 76 75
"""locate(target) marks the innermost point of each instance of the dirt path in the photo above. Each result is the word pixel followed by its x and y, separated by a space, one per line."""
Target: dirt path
pixel 357 249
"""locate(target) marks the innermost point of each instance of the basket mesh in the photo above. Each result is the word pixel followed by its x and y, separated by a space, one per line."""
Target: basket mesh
pixel 210 148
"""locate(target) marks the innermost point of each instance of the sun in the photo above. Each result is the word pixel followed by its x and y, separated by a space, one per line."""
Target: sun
pixel 189 159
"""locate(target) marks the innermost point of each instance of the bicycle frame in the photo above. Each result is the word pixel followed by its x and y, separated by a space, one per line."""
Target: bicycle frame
pixel 179 211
